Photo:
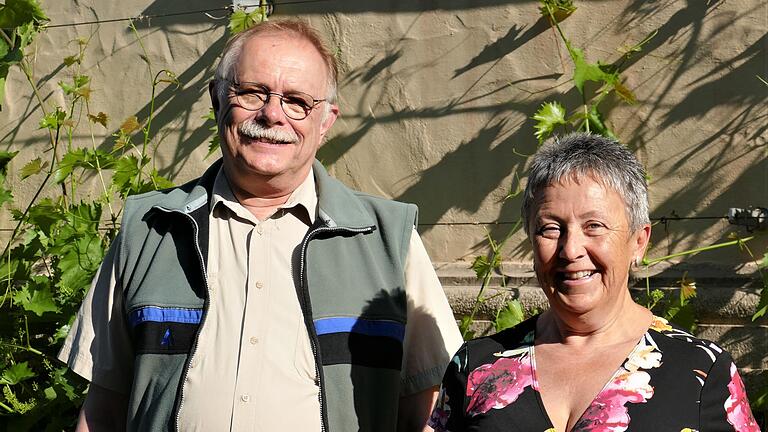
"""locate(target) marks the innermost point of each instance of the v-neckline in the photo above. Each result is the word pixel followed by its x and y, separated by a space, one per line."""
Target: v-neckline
pixel 537 387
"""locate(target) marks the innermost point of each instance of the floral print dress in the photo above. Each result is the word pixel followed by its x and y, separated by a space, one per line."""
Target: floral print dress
pixel 671 381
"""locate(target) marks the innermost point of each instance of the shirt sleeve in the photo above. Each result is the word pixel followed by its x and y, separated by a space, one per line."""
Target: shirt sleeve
pixel 98 346
pixel 431 335
pixel 724 403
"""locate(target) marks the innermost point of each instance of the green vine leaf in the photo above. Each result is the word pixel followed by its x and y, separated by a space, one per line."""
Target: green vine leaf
pixel 509 316
pixel 481 266
pixel 762 305
pixel 8 270
pixel 584 71
pixel 549 116
pixel 160 182
pixel 592 121
pixel 15 13
pixel 215 142
pixel 53 120
pixel 35 166
pixel 78 88
pixel 241 20
pixel 16 374
pixel 61 381
pixel 43 215
pixel 38 301
pixel 82 158
pixel 127 170
pixel 5 158
pixel 557 9
pixel 464 324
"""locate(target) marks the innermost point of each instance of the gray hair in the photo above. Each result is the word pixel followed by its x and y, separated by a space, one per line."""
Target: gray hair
pixel 579 155
pixel 225 70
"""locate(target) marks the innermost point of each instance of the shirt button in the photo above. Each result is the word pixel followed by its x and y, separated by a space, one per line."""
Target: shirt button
pixel 245 398
pixel 254 340
pixel 259 285
pixel 260 229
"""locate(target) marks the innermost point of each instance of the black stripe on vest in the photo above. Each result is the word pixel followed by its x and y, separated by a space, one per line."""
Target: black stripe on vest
pixel 152 337
pixel 361 349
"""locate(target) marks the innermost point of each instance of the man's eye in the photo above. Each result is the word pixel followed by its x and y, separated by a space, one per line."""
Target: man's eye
pixel 298 101
pixel 596 228
pixel 259 93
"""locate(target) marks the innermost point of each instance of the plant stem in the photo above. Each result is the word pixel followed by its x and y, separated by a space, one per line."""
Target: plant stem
pixel 648 263
pixel 10 410
pixel 24 348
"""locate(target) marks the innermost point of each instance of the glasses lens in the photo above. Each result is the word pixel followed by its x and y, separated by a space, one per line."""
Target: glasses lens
pixel 297 105
pixel 251 98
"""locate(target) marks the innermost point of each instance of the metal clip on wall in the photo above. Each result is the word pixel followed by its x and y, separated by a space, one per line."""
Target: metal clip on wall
pixel 753 218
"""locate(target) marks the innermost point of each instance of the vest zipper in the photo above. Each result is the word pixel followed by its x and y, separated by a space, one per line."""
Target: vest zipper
pixel 180 396
pixel 306 306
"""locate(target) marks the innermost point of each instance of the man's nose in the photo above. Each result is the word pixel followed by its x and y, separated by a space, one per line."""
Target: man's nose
pixel 272 111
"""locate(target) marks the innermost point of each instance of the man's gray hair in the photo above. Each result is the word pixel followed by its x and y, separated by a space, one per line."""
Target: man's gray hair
pixel 580 155
pixel 225 70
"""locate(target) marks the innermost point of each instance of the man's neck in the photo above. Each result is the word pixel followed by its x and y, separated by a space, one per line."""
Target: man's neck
pixel 262 196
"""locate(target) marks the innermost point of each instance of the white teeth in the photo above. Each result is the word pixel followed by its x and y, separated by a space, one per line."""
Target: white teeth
pixel 578 275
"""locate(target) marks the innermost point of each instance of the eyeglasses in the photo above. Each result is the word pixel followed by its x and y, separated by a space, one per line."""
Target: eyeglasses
pixel 253 97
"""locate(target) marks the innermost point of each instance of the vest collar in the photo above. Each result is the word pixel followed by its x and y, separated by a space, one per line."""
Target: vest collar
pixel 338 206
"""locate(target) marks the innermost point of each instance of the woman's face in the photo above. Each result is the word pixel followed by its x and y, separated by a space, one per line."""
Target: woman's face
pixel 583 247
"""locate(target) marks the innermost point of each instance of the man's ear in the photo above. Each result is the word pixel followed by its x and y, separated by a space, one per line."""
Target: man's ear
pixel 214 99
pixel 330 118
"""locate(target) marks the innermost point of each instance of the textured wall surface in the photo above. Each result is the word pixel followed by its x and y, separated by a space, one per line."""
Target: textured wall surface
pixel 436 101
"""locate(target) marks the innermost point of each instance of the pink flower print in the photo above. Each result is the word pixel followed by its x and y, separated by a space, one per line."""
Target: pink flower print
pixel 608 412
pixel 439 418
pixel 737 405
pixel 496 385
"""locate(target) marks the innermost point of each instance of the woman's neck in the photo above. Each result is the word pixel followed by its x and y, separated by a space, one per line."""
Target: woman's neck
pixel 594 329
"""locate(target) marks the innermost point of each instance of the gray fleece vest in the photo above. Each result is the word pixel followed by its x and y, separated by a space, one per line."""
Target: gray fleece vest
pixel 349 277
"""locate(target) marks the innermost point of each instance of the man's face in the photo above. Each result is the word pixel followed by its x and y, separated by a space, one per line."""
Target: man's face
pixel 282 63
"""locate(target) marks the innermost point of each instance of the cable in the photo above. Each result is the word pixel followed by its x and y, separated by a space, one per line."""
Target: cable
pixel 172 14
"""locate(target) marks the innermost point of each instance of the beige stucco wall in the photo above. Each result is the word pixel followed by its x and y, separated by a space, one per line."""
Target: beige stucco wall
pixel 436 100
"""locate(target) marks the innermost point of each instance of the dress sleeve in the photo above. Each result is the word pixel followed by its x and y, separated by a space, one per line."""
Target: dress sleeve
pixel 431 336
pixel 449 411
pixel 724 403
pixel 98 346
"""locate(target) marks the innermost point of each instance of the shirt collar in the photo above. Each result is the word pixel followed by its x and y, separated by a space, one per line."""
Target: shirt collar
pixel 304 196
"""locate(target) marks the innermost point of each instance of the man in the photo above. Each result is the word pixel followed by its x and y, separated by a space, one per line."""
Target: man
pixel 265 295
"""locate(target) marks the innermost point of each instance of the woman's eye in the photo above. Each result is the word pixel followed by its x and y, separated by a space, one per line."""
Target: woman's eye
pixel 549 232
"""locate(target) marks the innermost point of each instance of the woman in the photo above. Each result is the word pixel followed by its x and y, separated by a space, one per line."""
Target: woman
pixel 596 360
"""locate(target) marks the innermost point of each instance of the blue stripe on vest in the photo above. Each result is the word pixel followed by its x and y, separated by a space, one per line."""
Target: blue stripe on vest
pixel 158 314
pixel 368 327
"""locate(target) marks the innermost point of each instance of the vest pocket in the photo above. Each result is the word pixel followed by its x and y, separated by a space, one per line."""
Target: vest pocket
pixel 163 330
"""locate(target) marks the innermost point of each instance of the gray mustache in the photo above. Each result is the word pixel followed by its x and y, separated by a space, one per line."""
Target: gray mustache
pixel 254 130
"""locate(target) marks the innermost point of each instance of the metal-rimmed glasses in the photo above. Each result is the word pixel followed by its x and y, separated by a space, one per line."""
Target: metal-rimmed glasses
pixel 253 96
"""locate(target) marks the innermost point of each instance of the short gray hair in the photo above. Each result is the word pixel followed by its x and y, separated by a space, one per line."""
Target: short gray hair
pixel 579 155
pixel 225 70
